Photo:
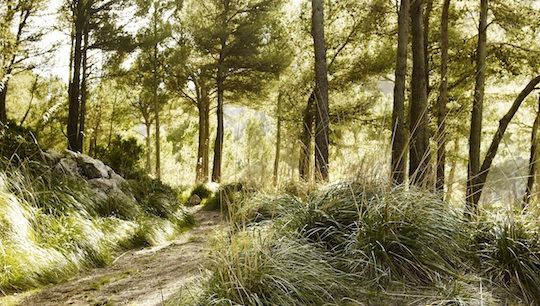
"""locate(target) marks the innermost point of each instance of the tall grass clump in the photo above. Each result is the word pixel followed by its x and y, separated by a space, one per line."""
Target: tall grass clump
pixel 54 225
pixel 386 235
pixel 408 235
pixel 261 267
pixel 509 253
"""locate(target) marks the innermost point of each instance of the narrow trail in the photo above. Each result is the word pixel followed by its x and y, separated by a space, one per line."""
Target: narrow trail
pixel 144 277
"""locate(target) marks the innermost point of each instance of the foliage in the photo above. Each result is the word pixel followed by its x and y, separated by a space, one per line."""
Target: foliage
pixel 228 196
pixel 509 253
pixel 123 155
pixel 52 226
pixel 158 199
pixel 203 191
pixel 17 143
pixel 257 268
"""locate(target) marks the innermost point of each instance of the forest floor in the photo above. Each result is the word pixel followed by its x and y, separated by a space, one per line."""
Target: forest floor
pixel 143 277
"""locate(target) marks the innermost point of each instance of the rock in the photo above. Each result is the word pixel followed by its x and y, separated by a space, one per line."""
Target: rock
pixel 51 158
pixel 102 179
pixel 67 166
pixel 92 168
pixel 194 200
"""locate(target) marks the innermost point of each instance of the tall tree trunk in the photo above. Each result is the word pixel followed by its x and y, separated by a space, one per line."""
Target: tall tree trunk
pixel 452 172
pixel 322 117
pixel 534 160
pixel 3 96
pixel 218 146
pixel 278 140
pixel 156 114
pixel 427 18
pixel 74 93
pixel 475 138
pixel 203 106
pixel 148 146
pixel 399 142
pixel 304 165
pixel 419 154
pixel 443 100
pixel 496 141
pixel 84 90
pixel 25 13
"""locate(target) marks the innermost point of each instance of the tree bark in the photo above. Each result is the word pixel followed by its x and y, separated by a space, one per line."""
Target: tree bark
pixel 475 138
pixel 156 118
pixel 533 161
pixel 218 146
pixel 84 89
pixel 304 166
pixel 443 100
pixel 492 151
pixel 3 96
pixel 148 147
pixel 399 142
pixel 278 140
pixel 322 117
pixel 419 155
pixel 74 93
pixel 203 106
pixel 427 17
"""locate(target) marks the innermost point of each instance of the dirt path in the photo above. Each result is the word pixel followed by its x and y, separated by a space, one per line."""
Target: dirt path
pixel 144 277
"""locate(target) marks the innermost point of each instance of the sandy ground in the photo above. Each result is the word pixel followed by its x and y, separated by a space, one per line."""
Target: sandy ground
pixel 144 277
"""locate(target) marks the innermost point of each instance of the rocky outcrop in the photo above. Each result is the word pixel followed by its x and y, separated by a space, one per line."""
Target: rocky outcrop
pixel 101 178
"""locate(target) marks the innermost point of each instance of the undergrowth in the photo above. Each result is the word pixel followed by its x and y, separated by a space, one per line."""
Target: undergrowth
pixel 361 244
pixel 53 225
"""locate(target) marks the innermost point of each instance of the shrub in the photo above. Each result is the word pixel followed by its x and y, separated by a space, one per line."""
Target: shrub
pixel 17 143
pixel 123 156
pixel 203 191
pixel 228 197
pixel 159 199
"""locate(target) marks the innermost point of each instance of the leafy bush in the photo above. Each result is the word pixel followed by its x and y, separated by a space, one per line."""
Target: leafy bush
pixel 203 191
pixel 159 199
pixel 17 143
pixel 123 156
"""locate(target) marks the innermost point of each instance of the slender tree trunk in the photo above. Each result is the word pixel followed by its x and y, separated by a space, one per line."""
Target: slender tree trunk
pixel 25 13
pixel 496 141
pixel 206 152
pixel 475 138
pixel 156 118
pixel 84 90
pixel 452 173
pixel 218 146
pixel 427 18
pixel 399 142
pixel 201 169
pixel 148 147
pixel 304 165
pixel 3 96
pixel 322 117
pixel 278 140
pixel 419 154
pixel 533 161
pixel 74 93
pixel 443 100
pixel 32 96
